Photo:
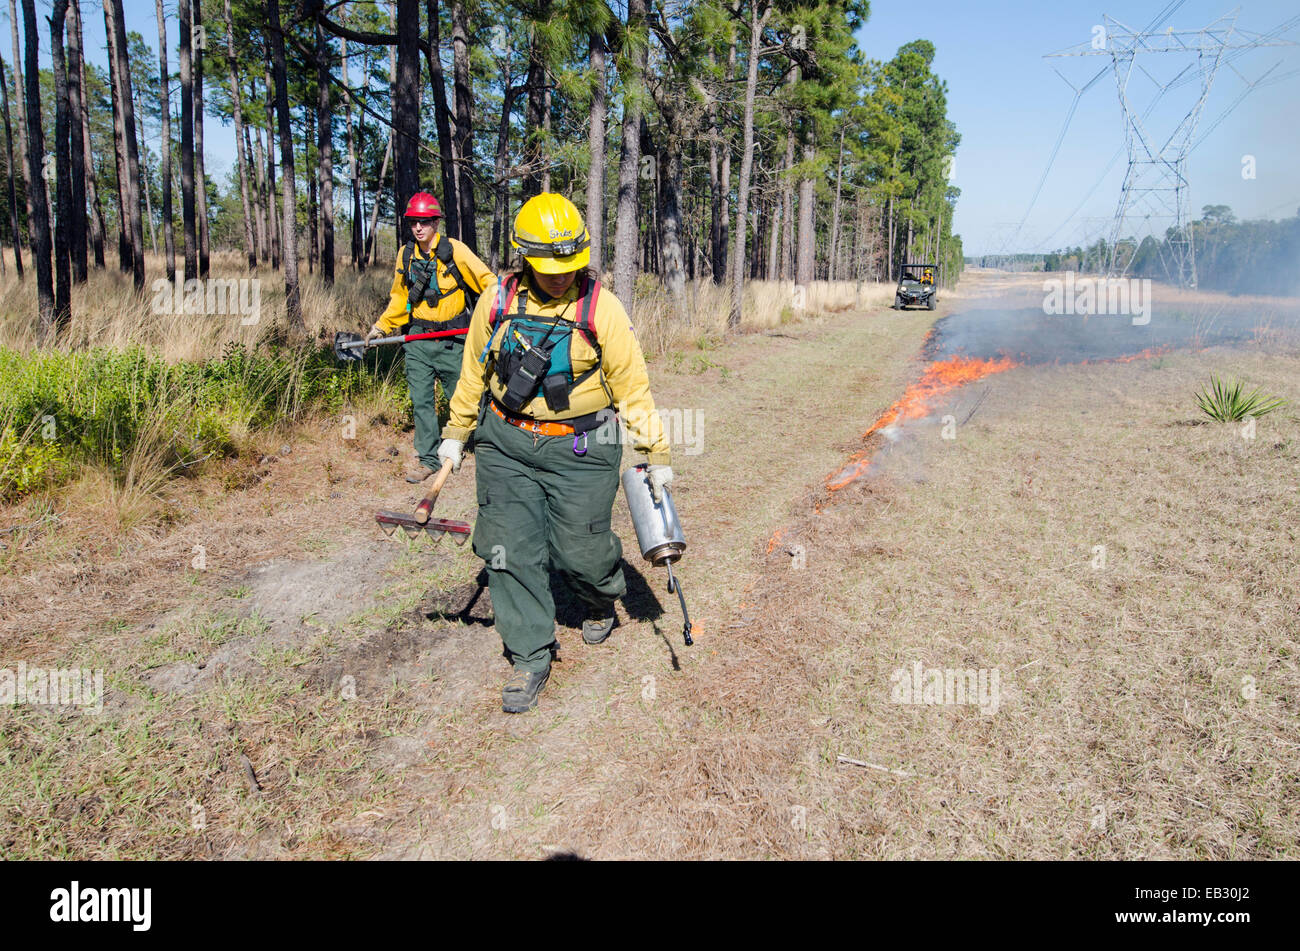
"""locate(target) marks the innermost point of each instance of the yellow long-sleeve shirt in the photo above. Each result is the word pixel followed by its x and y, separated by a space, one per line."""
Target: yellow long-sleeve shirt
pixel 476 274
pixel 622 370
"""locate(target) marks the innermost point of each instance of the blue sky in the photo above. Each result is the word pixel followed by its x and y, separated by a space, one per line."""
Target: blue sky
pixel 1009 107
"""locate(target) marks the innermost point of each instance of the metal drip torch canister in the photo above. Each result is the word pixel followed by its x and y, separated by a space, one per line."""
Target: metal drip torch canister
pixel 658 531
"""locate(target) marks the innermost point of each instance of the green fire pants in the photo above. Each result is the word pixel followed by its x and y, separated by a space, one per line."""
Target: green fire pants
pixel 542 505
pixel 427 361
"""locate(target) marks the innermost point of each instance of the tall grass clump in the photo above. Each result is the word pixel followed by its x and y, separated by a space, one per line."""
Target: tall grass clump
pixel 142 418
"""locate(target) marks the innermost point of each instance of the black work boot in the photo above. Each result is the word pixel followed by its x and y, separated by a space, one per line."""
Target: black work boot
pixel 519 695
pixel 599 623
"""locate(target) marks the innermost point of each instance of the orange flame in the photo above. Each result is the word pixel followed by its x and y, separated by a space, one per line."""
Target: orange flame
pixel 939 378
pixel 1146 354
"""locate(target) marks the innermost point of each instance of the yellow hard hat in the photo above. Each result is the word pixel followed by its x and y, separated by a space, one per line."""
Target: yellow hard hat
pixel 551 235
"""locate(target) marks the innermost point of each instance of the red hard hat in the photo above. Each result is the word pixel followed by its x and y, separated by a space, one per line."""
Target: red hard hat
pixel 423 205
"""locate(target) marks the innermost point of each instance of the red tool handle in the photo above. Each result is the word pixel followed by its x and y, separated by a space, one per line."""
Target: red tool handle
pixel 436 333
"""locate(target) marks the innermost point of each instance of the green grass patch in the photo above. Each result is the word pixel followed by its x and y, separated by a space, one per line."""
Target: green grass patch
pixel 60 411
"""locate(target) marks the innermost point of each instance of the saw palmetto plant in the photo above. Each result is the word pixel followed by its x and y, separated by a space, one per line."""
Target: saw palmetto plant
pixel 1229 403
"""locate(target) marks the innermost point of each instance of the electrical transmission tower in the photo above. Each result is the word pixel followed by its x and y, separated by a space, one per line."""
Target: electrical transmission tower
pixel 1156 186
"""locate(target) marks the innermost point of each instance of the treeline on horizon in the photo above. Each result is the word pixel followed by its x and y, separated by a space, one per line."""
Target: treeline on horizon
pixel 1236 257
pixel 723 139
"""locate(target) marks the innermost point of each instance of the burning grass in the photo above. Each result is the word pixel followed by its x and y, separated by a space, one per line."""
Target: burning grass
pixel 939 379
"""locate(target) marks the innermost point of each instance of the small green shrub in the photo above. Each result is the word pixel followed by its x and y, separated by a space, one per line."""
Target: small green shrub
pixel 27 465
pixel 1228 403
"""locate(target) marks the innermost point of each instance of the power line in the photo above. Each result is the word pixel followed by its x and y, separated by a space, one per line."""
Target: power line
pixel 1169 9
pixel 1156 183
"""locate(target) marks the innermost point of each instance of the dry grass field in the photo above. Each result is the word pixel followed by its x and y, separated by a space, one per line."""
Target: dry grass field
pixel 285 682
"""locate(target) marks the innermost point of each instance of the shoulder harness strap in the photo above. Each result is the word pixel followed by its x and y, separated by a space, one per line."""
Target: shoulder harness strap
pixel 588 293
pixel 408 249
pixel 507 291
pixel 446 254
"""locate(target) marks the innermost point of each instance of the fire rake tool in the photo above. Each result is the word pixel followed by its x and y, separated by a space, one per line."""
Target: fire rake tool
pixel 349 346
pixel 421 520
pixel 658 532
pixel 436 527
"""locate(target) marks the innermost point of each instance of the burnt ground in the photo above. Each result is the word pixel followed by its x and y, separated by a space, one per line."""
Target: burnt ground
pixel 1027 335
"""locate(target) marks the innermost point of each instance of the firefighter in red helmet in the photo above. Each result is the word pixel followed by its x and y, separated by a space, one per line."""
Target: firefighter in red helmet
pixel 436 282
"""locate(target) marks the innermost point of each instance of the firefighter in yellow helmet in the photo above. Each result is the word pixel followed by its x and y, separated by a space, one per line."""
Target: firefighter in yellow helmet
pixel 550 360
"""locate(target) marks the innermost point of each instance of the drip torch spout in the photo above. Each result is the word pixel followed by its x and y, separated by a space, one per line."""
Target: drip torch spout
pixel 676 586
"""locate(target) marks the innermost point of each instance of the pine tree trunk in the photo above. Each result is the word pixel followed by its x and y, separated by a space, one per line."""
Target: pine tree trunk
pixel 835 213
pixel 19 95
pixel 535 114
pixel 148 199
pixel 498 256
pixel 164 100
pixel 670 219
pixel 936 257
pixel 325 150
pixel 9 165
pixel 200 165
pixel 907 248
pixel 39 221
pixel 464 136
pixel 595 214
pixel 406 117
pixel 787 211
pixel 717 185
pixel 442 121
pixel 292 298
pixel 358 218
pixel 96 218
pixel 546 133
pixel 313 182
pixel 63 168
pixel 626 222
pixel 392 136
pixel 806 269
pixel 724 171
pixel 187 141
pixel 756 23
pixel 272 216
pixel 889 259
pixel 76 153
pixel 374 211
pixel 255 200
pixel 264 220
pixel 124 261
pixel 135 230
pixel 250 240
pixel 774 241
